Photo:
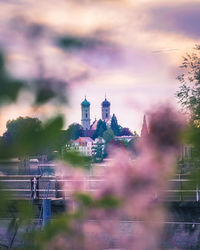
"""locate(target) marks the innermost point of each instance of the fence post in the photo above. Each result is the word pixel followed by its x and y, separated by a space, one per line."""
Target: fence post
pixel 58 193
pixel 35 188
pixel 46 204
pixel 180 187
pixel 197 193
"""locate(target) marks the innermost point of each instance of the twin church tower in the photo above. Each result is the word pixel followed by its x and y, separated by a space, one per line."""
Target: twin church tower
pixel 85 108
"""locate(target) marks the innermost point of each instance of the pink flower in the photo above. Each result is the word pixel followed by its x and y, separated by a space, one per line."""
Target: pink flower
pixel 139 184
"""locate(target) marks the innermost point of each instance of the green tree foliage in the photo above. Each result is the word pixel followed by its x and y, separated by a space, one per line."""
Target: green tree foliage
pixel 125 132
pixel 76 43
pixel 108 135
pixel 189 98
pixel 114 125
pixel 101 127
pixel 43 88
pixel 16 129
pixel 27 136
pixel 9 87
pixel 74 131
pixel 45 91
pixel 76 159
pixel 60 141
pixel 99 149
pixel 189 91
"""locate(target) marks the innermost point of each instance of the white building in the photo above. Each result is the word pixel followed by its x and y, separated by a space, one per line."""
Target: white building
pixel 84 145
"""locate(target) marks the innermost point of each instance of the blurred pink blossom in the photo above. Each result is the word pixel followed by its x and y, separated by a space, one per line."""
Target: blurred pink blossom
pixel 74 178
pixel 139 184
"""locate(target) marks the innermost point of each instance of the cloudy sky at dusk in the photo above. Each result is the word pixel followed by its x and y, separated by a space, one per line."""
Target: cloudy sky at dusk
pixel 139 45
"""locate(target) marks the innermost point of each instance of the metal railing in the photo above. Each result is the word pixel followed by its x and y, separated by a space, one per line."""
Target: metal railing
pixel 42 187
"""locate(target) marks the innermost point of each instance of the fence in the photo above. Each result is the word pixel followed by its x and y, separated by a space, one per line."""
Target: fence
pixel 35 187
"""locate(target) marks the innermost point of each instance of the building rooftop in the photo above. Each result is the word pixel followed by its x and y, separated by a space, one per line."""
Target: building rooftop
pixel 105 103
pixel 94 125
pixel 85 103
pixel 83 140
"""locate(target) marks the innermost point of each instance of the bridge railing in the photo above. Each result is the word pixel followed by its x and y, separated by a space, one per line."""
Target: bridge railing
pixel 35 187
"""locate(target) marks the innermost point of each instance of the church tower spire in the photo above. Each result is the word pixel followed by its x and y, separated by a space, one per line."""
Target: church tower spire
pixel 144 131
pixel 105 108
pixel 85 110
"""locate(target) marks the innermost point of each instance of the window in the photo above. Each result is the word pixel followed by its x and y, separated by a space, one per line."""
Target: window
pixel 86 115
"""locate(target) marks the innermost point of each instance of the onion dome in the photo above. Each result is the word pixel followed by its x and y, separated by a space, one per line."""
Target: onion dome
pixel 105 103
pixel 85 103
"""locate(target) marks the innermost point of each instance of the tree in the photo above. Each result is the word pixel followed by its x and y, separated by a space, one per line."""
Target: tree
pixel 21 127
pixel 101 127
pixel 10 87
pixel 74 131
pixel 125 131
pixel 28 136
pixel 98 148
pixel 189 92
pixel 115 126
pixel 108 135
pixel 18 137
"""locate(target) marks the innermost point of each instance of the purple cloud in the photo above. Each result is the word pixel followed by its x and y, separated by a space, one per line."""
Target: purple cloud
pixel 180 19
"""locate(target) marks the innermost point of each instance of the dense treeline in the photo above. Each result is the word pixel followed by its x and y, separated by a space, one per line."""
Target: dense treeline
pixel 23 130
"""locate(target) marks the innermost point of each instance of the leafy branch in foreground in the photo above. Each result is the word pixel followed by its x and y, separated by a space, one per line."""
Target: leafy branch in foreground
pixel 189 91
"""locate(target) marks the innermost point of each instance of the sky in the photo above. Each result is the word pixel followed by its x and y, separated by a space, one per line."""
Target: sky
pixel 133 55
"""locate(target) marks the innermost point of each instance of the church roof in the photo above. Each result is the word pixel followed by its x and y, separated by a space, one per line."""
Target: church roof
pixel 85 103
pixel 105 103
pixel 83 140
pixel 94 124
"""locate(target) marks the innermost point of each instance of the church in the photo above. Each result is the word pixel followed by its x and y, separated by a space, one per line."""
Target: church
pixel 85 114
